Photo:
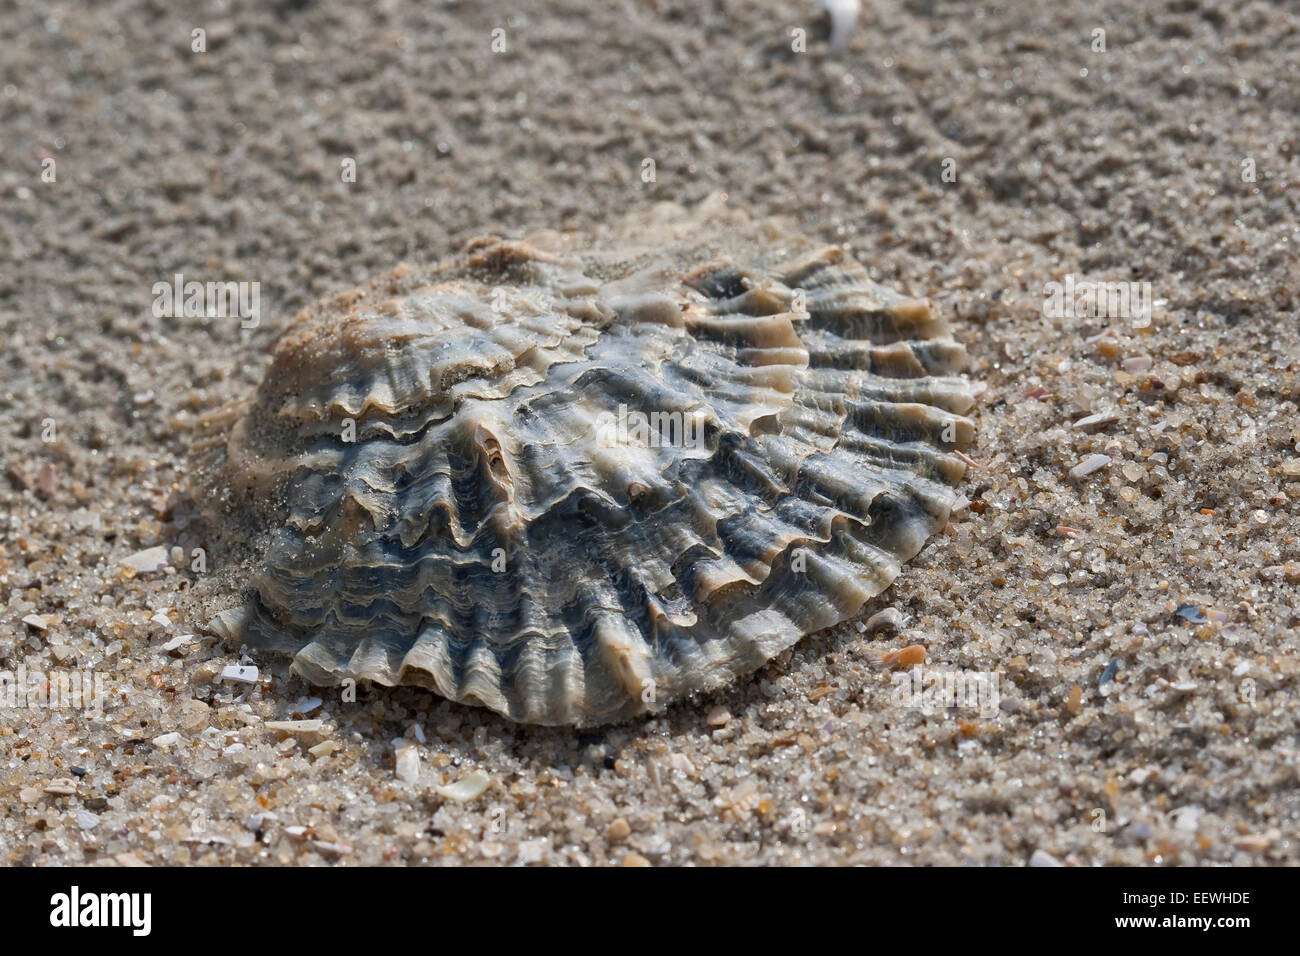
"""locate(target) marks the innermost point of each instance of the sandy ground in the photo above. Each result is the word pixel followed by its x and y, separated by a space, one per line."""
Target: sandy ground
pixel 1141 619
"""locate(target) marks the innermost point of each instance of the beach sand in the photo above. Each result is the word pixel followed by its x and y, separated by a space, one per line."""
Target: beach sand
pixel 1140 620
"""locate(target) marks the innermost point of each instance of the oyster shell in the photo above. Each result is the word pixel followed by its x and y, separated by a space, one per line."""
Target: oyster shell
pixel 570 480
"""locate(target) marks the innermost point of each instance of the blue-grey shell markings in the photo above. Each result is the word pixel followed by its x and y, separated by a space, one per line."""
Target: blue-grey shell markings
pixel 456 515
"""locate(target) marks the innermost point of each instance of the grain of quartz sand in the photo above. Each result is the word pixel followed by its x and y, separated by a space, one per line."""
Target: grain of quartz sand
pixel 1118 165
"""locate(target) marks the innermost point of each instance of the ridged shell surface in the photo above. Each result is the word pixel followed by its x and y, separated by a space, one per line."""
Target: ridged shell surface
pixel 571 479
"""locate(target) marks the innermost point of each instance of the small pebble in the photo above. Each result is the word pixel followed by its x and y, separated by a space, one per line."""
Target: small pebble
pixel 207 672
pixel 618 830
pixel 1187 819
pixel 1043 858
pixel 406 762
pixel 719 716
pixel 1108 674
pixel 905 658
pixel 45 480
pixel 533 851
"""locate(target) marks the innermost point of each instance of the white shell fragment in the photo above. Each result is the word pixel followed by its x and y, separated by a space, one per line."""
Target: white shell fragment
pixel 1096 422
pixel 239 673
pixel 1088 465
pixel 146 561
pixel 180 640
pixel 406 761
pixel 469 787
pixel 303 729
pixel 844 16
pixel 571 480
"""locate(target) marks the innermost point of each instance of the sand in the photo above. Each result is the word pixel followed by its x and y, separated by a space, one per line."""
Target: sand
pixel 1140 620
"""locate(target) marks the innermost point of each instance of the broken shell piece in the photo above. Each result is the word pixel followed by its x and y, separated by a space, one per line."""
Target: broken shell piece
pixel 1096 422
pixel 406 761
pixel 240 673
pixel 177 642
pixel 890 620
pixel 146 561
pixel 1088 465
pixel 308 731
pixel 572 480
pixel 467 788
pixel 844 16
